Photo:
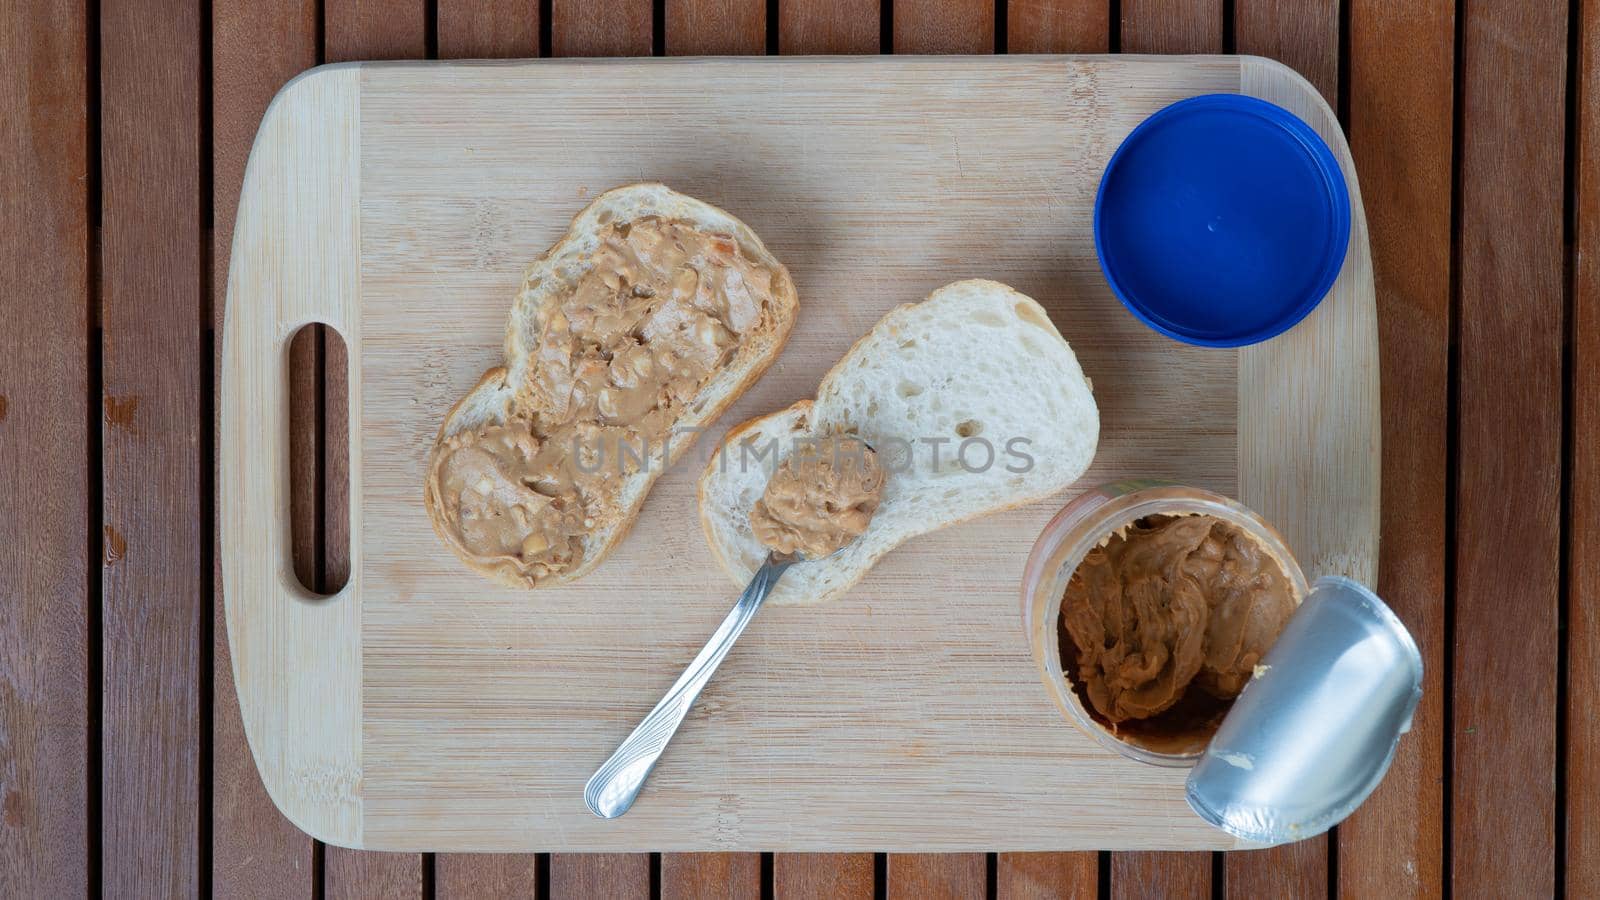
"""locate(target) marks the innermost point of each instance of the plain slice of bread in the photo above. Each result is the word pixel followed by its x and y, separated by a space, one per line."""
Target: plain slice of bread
pixel 502 388
pixel 975 363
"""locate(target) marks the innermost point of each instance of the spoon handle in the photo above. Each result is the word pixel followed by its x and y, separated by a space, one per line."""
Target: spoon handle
pixel 613 787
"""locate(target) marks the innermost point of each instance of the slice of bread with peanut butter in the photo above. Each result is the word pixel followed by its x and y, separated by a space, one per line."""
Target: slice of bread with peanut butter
pixel 972 402
pixel 642 324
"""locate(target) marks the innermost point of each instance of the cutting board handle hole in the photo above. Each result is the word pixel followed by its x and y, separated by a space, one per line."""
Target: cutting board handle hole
pixel 319 458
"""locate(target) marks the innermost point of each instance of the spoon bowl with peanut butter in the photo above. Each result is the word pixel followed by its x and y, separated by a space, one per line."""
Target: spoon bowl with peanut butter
pixel 815 504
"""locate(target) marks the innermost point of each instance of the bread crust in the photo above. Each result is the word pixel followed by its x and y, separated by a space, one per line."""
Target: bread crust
pixel 731 440
pixel 498 389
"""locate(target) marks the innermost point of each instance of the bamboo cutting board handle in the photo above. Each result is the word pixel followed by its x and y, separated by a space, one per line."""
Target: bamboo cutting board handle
pixel 295 261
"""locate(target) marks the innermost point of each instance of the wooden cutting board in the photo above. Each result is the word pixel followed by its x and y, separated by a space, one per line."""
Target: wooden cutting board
pixel 424 709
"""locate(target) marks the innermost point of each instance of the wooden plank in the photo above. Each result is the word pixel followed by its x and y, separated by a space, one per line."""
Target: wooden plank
pixel 1160 875
pixel 254 848
pixel 357 30
pixel 1304 34
pixel 1047 876
pixel 609 28
pixel 845 876
pixel 1044 26
pixel 689 876
pixel 374 29
pixel 601 28
pixel 370 875
pixel 1401 101
pixel 615 876
pixel 1172 26
pixel 479 876
pixel 829 26
pixel 488 29
pixel 1048 26
pixel 1166 26
pixel 1583 514
pixel 1288 870
pixel 152 605
pixel 944 26
pixel 937 876
pixel 44 414
pixel 1509 437
pixel 716 27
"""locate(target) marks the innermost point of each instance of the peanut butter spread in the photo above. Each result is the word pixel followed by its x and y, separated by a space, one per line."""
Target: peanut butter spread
pixel 1171 602
pixel 621 355
pixel 821 499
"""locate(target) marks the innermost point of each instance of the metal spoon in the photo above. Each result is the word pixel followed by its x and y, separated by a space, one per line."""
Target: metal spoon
pixel 613 787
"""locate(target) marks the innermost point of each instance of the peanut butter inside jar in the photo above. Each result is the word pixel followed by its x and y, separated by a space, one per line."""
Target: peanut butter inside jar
pixel 1164 623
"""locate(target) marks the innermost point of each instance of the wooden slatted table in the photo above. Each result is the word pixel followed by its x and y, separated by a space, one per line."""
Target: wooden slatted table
pixel 123 767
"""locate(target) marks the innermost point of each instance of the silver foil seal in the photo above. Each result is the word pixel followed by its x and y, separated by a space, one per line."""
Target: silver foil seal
pixel 1314 731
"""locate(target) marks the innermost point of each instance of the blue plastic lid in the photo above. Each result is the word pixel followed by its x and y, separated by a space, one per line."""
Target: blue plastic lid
pixel 1222 220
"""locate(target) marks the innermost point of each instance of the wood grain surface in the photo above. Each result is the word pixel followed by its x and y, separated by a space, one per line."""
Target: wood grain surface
pixel 1401 111
pixel 624 876
pixel 1509 427
pixel 937 876
pixel 1399 58
pixel 432 645
pixel 153 601
pixel 1047 26
pixel 690 876
pixel 374 29
pixel 830 26
pixel 488 29
pixel 371 875
pixel 1582 875
pixel 470 876
pixel 716 27
pixel 49 824
pixel 601 28
pixel 1172 26
pixel 255 850
pixel 944 26
pixel 1154 876
pixel 847 876
pixel 1047 876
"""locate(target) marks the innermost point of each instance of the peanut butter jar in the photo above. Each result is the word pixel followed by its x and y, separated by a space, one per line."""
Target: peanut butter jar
pixel 1104 519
